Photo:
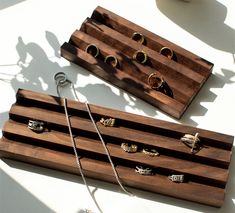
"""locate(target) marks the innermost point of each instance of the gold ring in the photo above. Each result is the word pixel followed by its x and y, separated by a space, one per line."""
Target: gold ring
pixel 111 60
pixel 151 152
pixel 136 36
pixel 140 56
pixel 155 81
pixel 93 50
pixel 166 51
pixel 108 121
pixel 129 147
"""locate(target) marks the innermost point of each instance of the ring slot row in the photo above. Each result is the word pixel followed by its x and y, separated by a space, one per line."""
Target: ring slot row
pixel 151 40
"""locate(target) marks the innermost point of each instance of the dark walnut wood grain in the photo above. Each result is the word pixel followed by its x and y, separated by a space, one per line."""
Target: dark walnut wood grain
pixel 185 73
pixel 206 172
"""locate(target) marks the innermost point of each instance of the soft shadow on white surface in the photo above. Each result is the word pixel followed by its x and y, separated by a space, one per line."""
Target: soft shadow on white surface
pixel 15 198
pixel 37 75
pixel 8 3
pixel 203 19
pixel 205 95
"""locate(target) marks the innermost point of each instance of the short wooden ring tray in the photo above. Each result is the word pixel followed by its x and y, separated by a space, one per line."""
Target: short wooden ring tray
pixel 185 73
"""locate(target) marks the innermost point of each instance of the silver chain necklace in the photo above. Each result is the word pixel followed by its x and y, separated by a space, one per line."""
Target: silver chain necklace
pixel 61 80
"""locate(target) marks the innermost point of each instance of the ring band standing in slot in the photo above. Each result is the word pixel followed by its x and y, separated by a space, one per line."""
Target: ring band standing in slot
pixel 140 56
pixel 136 36
pixel 157 82
pixel 151 152
pixel 111 60
pixel 93 50
pixel 166 51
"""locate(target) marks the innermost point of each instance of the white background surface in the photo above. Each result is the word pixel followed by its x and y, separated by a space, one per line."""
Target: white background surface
pixel 31 33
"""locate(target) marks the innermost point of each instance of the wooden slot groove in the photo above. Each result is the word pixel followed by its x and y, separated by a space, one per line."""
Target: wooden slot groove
pixel 129 135
pixel 182 92
pixel 128 47
pixel 213 174
pixel 153 41
pixel 122 80
pixel 199 193
pixel 156 125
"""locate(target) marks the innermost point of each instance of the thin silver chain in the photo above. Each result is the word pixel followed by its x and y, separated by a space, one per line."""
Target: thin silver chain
pixel 76 155
pixel 61 81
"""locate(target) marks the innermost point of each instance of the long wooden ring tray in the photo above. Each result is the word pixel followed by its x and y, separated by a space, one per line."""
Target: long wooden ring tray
pixel 206 172
pixel 185 73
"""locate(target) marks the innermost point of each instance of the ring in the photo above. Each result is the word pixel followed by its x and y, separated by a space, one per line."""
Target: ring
pixel 166 51
pixel 155 81
pixel 136 36
pixel 129 147
pixel 108 122
pixel 111 60
pixel 61 79
pixel 151 152
pixel 93 50
pixel 143 171
pixel 176 178
pixel 140 56
pixel 191 141
pixel 36 126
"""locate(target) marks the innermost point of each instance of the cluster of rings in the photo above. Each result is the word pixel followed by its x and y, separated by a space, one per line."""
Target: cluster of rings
pixel 191 141
pixel 93 50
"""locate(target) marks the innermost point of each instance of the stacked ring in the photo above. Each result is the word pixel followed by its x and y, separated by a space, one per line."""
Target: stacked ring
pixel 93 50
pixel 166 51
pixel 140 56
pixel 111 60
pixel 138 37
pixel 151 152
pixel 129 147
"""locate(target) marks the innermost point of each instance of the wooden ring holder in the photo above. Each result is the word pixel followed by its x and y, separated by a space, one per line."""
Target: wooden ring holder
pixel 185 72
pixel 206 172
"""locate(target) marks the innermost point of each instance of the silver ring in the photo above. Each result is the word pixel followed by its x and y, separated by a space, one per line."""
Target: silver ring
pixel 131 148
pixel 143 171
pixel 176 178
pixel 93 50
pixel 136 36
pixel 111 60
pixel 166 51
pixel 36 126
pixel 151 152
pixel 140 56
